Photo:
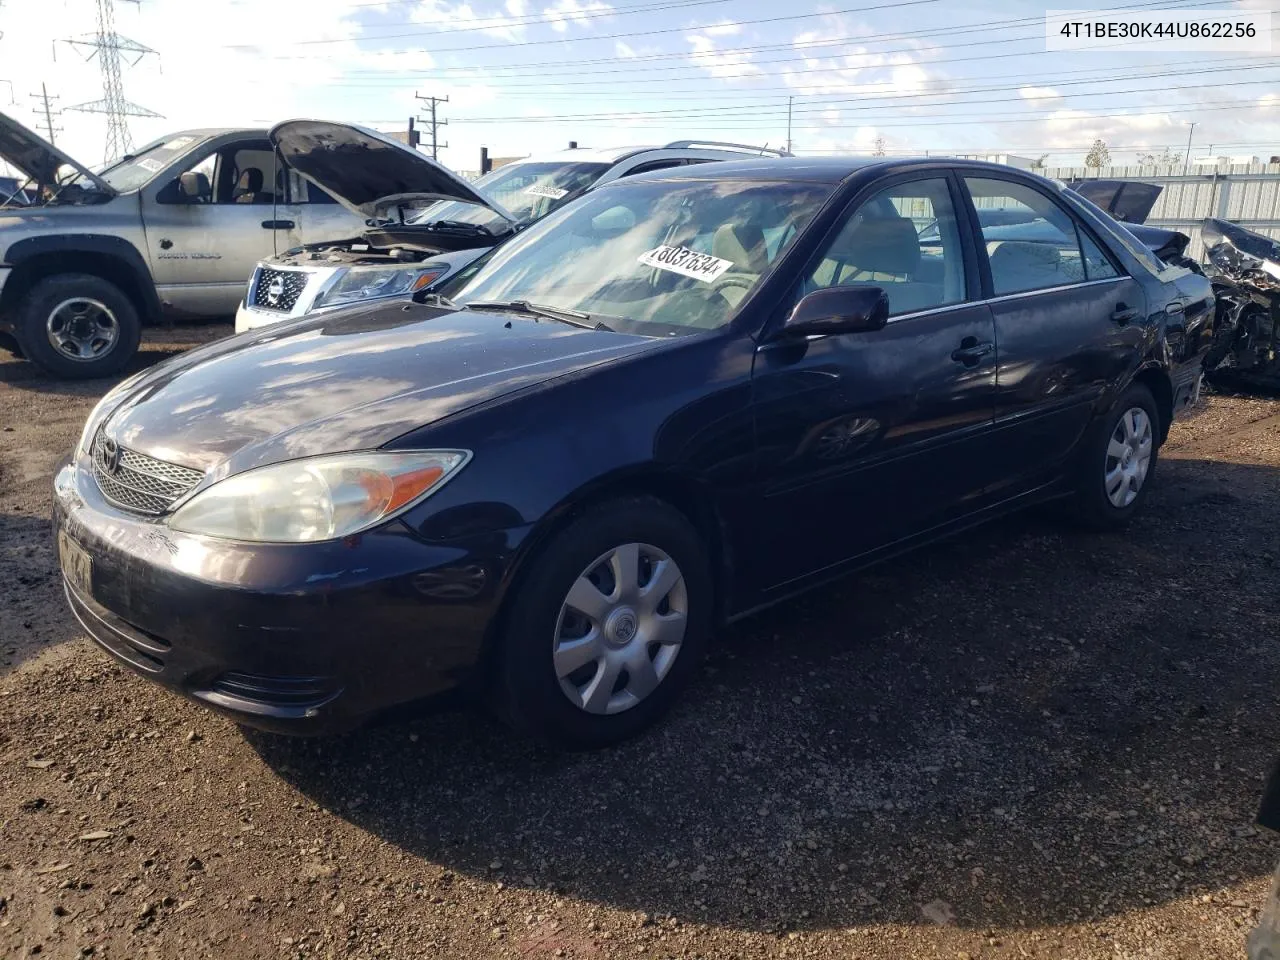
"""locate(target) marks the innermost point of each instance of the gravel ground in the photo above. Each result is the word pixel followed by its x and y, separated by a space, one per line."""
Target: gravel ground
pixel 1035 742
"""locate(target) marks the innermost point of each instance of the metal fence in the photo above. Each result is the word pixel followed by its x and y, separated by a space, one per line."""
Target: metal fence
pixel 1245 194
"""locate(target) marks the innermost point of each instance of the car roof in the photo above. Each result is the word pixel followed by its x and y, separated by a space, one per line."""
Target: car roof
pixel 613 155
pixel 822 169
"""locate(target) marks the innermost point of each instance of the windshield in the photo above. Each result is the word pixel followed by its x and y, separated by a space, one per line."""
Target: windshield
pixel 681 255
pixel 133 171
pixel 528 191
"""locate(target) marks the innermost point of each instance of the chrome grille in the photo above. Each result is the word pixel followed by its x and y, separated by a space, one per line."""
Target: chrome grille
pixel 278 289
pixel 138 482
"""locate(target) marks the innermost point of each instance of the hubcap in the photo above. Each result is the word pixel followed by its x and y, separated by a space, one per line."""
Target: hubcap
pixel 82 329
pixel 620 628
pixel 1128 457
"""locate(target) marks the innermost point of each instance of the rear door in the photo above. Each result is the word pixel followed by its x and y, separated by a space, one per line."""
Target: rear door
pixel 1069 323
pixel 203 250
pixel 866 439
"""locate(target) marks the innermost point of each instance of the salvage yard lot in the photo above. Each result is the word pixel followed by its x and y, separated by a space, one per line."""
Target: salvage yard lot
pixel 1032 741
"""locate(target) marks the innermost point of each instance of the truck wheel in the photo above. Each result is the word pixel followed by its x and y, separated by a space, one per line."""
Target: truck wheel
pixel 78 326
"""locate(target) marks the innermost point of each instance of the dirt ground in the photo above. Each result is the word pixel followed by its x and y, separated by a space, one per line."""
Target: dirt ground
pixel 1033 742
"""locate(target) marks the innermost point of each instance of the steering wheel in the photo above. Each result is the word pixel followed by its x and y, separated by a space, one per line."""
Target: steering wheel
pixel 733 280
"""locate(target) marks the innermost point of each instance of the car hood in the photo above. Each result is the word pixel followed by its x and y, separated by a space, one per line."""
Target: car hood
pixel 1129 201
pixel 37 157
pixel 351 381
pixel 367 171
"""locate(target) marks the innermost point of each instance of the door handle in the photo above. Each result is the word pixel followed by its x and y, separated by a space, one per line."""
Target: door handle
pixel 1177 306
pixel 1123 314
pixel 277 224
pixel 971 351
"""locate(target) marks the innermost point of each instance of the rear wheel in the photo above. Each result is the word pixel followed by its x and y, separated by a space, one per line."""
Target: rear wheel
pixel 1119 460
pixel 78 326
pixel 608 628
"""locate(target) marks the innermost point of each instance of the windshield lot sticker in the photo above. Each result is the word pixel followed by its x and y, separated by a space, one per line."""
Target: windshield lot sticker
pixel 151 166
pixel 542 190
pixel 177 143
pixel 686 262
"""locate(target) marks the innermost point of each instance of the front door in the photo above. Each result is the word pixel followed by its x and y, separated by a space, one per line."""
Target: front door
pixel 203 248
pixel 1069 323
pixel 866 439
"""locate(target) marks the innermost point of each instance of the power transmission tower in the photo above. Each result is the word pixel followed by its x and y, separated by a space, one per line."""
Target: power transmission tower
pixel 435 136
pixel 50 131
pixel 110 48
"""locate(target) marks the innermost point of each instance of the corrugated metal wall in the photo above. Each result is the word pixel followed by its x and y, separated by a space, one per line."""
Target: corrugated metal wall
pixel 1245 194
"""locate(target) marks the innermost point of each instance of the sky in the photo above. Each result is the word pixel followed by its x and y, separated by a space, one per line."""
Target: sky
pixel 528 76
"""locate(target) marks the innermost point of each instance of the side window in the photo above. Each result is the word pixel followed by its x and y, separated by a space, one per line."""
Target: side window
pixel 1096 264
pixel 653 165
pixel 205 170
pixel 905 239
pixel 1032 243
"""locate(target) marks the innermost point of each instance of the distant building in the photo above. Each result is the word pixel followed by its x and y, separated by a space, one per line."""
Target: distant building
pixel 1215 161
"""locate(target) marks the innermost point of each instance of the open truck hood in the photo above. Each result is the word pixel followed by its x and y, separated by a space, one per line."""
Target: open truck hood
pixel 368 171
pixel 38 158
pixel 1129 201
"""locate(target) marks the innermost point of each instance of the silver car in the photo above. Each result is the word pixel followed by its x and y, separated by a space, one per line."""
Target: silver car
pixel 426 224
pixel 172 230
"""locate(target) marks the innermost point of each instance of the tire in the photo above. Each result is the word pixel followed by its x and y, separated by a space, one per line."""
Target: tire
pixel 94 316
pixel 585 709
pixel 1101 501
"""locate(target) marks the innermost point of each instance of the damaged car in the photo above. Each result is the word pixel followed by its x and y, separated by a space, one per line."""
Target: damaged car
pixel 425 224
pixel 169 231
pixel 1244 268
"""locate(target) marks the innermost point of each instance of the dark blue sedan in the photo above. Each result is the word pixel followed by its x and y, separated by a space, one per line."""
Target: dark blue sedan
pixel 683 397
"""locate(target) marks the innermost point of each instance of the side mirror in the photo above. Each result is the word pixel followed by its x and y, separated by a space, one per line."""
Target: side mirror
pixel 858 308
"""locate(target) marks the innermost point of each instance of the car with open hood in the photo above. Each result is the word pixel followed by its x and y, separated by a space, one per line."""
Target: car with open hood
pixel 171 230
pixel 424 223
pixel 686 395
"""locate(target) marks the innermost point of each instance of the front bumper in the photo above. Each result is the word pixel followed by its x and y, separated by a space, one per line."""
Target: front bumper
pixel 295 638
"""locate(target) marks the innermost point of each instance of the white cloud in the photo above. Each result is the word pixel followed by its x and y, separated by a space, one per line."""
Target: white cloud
pixel 725 28
pixel 1038 93
pixel 462 16
pixel 564 12
pixel 722 65
pixel 624 50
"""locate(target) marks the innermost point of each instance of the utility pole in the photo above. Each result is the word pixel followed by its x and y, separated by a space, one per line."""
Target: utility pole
pixel 789 99
pixel 1186 165
pixel 435 124
pixel 49 129
pixel 108 46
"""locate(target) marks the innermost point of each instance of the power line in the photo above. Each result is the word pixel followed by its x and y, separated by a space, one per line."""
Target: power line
pixel 758 109
pixel 800 45
pixel 606 36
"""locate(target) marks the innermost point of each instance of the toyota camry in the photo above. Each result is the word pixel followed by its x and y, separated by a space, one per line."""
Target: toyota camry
pixel 682 397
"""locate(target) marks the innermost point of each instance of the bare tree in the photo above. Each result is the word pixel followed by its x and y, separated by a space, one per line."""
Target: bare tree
pixel 879 147
pixel 1038 162
pixel 1165 157
pixel 1098 155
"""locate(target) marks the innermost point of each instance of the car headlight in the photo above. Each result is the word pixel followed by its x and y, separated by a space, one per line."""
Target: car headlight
pixel 374 282
pixel 95 415
pixel 319 498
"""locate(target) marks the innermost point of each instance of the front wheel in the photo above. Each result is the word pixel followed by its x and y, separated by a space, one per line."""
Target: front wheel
pixel 78 326
pixel 1119 460
pixel 609 626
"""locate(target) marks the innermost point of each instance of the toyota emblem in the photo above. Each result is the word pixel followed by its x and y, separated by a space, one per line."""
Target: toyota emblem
pixel 275 290
pixel 110 456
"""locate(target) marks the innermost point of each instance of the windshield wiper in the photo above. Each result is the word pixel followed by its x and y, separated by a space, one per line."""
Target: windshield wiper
pixel 572 317
pixel 460 225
